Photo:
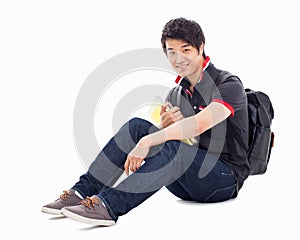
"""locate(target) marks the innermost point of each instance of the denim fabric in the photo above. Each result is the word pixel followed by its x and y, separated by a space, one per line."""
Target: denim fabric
pixel 173 164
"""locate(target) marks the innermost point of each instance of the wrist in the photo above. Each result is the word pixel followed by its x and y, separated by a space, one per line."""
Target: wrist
pixel 145 141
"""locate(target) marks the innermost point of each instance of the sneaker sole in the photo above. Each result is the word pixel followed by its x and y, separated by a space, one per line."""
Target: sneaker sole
pixel 82 219
pixel 51 211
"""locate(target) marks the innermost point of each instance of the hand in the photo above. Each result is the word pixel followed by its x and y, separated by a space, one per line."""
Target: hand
pixel 169 115
pixel 136 157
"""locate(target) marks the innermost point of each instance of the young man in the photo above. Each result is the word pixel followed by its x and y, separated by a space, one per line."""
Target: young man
pixel 205 106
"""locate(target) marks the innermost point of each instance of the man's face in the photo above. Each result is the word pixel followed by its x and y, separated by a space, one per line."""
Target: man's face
pixel 184 58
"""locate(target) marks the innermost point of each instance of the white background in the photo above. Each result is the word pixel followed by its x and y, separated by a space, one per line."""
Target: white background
pixel 47 51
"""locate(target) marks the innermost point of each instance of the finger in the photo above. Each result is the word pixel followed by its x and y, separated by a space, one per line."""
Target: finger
pixel 138 164
pixel 135 165
pixel 131 165
pixel 126 166
pixel 169 105
pixel 167 119
pixel 174 109
pixel 170 116
pixel 177 114
pixel 164 116
pixel 180 117
pixel 163 109
pixel 173 118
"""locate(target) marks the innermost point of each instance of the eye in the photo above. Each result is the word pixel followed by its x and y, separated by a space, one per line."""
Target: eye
pixel 171 53
pixel 186 50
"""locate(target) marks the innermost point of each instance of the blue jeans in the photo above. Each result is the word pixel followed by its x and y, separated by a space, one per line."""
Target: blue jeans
pixel 173 164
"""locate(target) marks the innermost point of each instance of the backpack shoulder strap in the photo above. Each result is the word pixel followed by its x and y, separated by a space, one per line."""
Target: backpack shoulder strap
pixel 223 76
pixel 232 131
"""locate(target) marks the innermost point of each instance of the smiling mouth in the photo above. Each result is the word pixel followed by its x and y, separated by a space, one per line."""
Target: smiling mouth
pixel 182 67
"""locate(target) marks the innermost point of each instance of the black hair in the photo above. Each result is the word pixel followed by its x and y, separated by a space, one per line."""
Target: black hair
pixel 182 29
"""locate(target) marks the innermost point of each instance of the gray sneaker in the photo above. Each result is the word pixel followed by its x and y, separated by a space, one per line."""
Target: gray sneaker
pixel 68 198
pixel 91 210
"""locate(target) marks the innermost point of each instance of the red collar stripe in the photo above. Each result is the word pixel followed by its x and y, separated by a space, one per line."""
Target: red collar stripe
pixel 205 63
pixel 188 92
pixel 204 66
pixel 178 79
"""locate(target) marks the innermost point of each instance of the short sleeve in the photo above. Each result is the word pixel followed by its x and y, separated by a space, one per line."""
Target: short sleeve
pixel 231 94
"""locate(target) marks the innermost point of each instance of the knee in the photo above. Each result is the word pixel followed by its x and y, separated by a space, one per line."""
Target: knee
pixel 137 128
pixel 137 123
pixel 133 124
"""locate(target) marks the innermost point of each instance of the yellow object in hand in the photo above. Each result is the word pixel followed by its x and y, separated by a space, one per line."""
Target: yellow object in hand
pixel 155 114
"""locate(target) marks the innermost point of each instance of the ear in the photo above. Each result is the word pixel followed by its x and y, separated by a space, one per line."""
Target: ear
pixel 201 49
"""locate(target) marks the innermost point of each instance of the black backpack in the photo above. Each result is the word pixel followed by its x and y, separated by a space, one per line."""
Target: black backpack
pixel 261 137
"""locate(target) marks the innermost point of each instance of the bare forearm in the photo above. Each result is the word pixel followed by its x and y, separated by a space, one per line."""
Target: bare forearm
pixel 189 127
pixel 183 129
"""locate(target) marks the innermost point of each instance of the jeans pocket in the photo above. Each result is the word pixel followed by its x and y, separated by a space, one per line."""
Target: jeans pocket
pixel 221 194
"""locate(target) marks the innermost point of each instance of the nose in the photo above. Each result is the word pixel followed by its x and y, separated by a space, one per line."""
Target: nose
pixel 179 58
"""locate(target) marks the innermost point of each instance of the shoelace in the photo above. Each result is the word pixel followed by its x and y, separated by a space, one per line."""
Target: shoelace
pixel 90 202
pixel 66 194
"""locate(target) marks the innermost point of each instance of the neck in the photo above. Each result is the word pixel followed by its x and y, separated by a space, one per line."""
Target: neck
pixel 195 76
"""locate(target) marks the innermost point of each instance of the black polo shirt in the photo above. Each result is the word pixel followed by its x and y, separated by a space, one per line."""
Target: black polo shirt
pixel 219 140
